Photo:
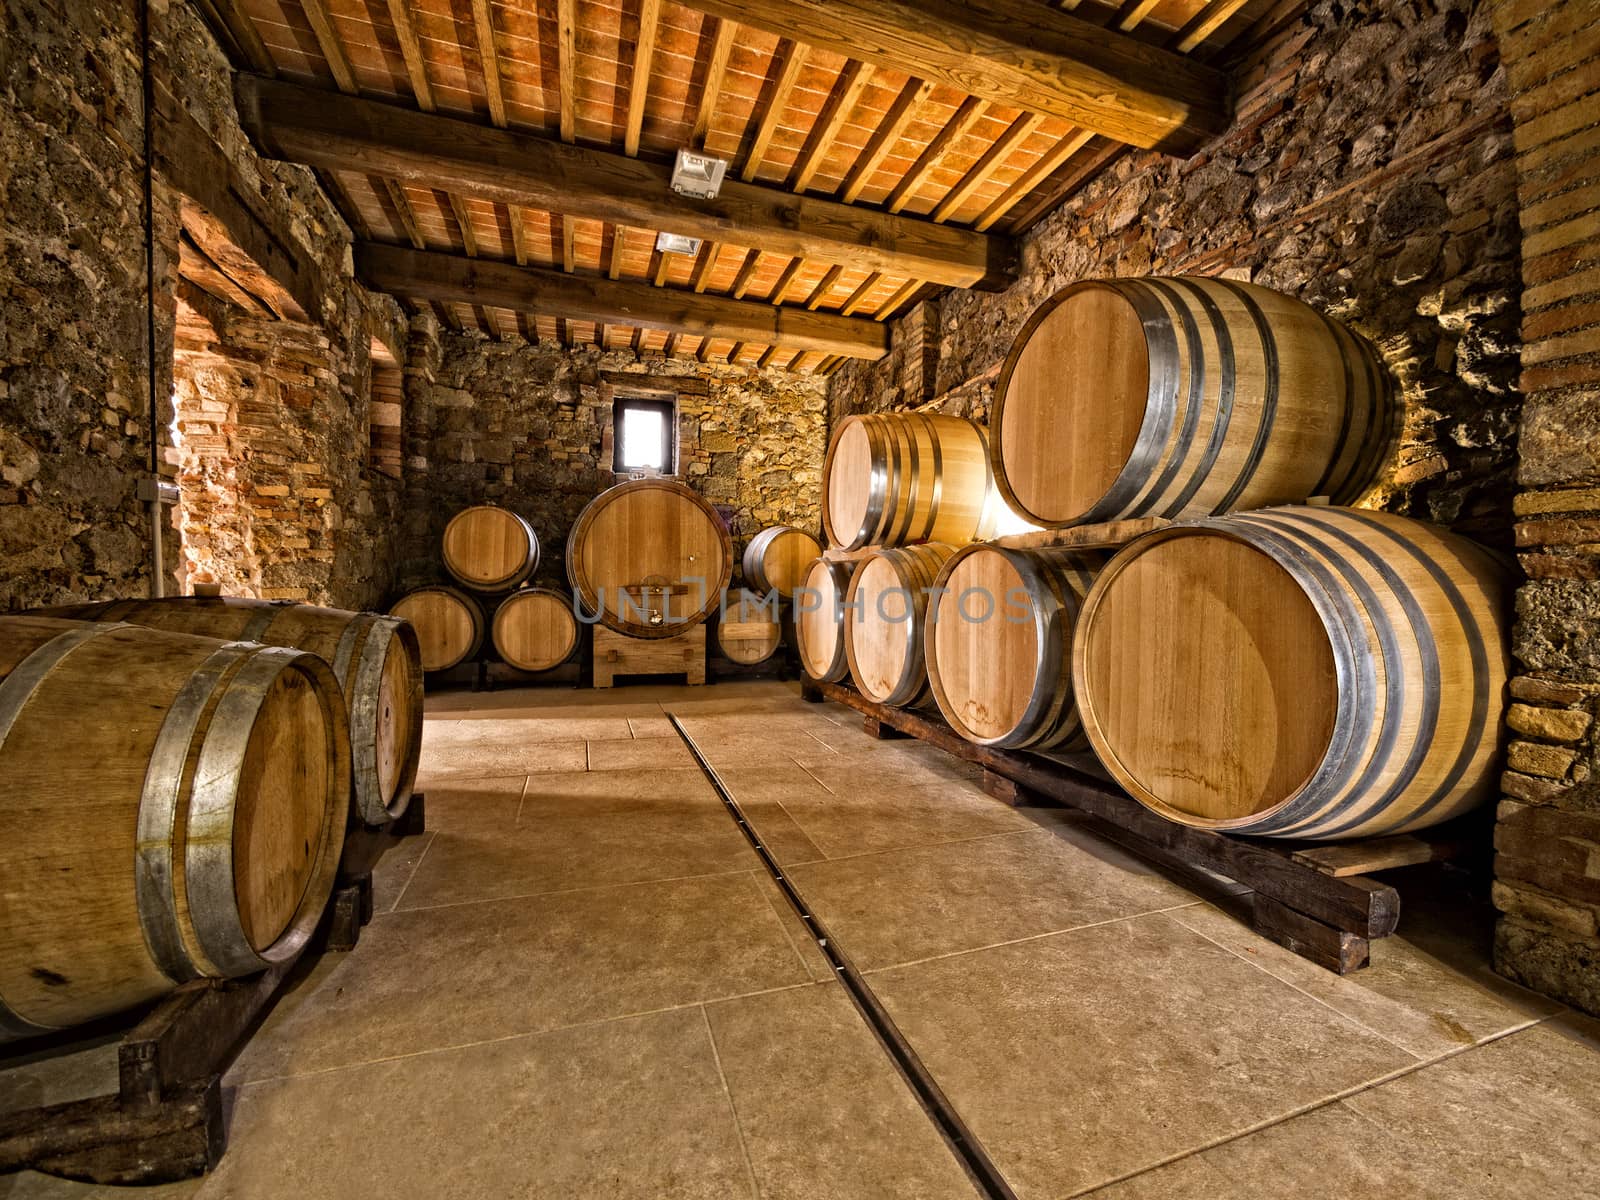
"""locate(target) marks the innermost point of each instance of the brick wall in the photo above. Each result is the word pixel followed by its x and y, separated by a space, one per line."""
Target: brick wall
pixel 1548 833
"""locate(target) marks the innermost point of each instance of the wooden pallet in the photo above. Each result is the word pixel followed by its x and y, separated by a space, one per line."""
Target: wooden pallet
pixel 618 654
pixel 1315 898
pixel 165 1120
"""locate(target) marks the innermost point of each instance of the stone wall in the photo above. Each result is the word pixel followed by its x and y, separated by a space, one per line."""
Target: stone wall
pixel 1369 172
pixel 1548 834
pixel 529 427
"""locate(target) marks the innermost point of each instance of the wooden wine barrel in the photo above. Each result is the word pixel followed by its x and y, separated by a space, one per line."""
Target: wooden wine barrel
pixel 1182 397
pixel 999 645
pixel 819 620
pixel 777 558
pixel 535 629
pixel 449 625
pixel 750 629
pixel 894 478
pixel 375 658
pixel 490 549
pixel 884 621
pixel 649 558
pixel 1300 672
pixel 173 807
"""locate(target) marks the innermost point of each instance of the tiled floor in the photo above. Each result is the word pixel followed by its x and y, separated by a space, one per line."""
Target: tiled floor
pixel 581 983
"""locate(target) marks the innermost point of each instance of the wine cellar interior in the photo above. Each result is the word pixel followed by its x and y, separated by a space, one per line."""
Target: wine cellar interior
pixel 825 598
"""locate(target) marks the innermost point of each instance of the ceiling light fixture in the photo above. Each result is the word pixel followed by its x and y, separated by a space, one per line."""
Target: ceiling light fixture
pixel 677 243
pixel 698 176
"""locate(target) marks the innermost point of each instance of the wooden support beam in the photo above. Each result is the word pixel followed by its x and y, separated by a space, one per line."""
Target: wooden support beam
pixel 639 86
pixel 841 102
pixel 703 265
pixel 1204 23
pixel 619 235
pixel 889 132
pixel 716 68
pixel 569 243
pixel 519 236
pixel 824 286
pixel 321 22
pixel 780 288
pixel 1084 168
pixel 469 238
pixel 857 297
pixel 1018 53
pixel 489 60
pixel 450 278
pixel 402 208
pixel 567 65
pixel 314 127
pixel 904 191
pixel 791 58
pixel 1033 177
pixel 411 50
pixel 979 173
pixel 747 270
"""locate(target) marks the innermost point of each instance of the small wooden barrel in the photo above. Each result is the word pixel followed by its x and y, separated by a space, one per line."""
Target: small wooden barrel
pixel 886 614
pixel 1299 672
pixel 174 808
pixel 649 558
pixel 375 658
pixel 1182 397
pixel 535 629
pixel 999 645
pixel 750 629
pixel 819 620
pixel 777 558
pixel 449 625
pixel 490 549
pixel 894 478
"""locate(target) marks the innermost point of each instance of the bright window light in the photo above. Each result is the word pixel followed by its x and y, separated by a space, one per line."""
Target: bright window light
pixel 643 435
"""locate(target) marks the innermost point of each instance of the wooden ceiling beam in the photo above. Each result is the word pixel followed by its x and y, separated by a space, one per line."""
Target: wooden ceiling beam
pixel 836 110
pixel 456 279
pixel 993 158
pixel 321 22
pixel 314 127
pixel 889 131
pixel 1019 53
pixel 237 34
pixel 567 65
pixel 716 69
pixel 965 116
pixel 489 60
pixel 639 87
pixel 792 58
pixel 411 51
pixel 1033 177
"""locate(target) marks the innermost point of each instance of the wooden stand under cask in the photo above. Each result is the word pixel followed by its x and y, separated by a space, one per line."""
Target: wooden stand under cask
pixel 649 558
pixel 1299 672
pixel 376 659
pixel 1184 397
pixel 885 619
pixel 777 558
pixel 999 645
pixel 449 625
pixel 819 620
pixel 174 808
pixel 618 654
pixel 749 628
pixel 535 629
pixel 490 549
pixel 895 478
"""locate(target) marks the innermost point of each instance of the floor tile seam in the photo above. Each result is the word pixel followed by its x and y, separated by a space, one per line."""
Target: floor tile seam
pixel 733 1107
pixel 1032 937
pixel 565 891
pixel 772 907
pixel 1311 1107
pixel 415 867
pixel 567 1027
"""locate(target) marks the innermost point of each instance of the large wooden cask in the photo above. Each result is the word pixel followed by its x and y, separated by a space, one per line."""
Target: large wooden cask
pixel 649 557
pixel 999 645
pixel 894 478
pixel 777 559
pixel 1301 672
pixel 490 549
pixel 375 657
pixel 535 629
pixel 449 625
pixel 173 807
pixel 819 620
pixel 1182 397
pixel 749 627
pixel 886 615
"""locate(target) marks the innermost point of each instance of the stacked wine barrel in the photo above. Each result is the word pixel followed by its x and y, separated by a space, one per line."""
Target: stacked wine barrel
pixel 755 622
pixel 175 805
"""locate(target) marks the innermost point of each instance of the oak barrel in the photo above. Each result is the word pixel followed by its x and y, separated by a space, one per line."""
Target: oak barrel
pixel 777 558
pixel 1300 672
pixel 750 627
pixel 375 657
pixel 999 645
pixel 449 625
pixel 649 557
pixel 535 629
pixel 174 808
pixel 819 620
pixel 894 478
pixel 1182 397
pixel 490 549
pixel 885 619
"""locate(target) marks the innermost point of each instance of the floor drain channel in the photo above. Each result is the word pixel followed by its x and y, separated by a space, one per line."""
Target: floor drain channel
pixel 934 1102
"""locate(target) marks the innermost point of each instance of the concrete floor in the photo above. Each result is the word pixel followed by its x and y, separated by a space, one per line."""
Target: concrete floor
pixel 580 983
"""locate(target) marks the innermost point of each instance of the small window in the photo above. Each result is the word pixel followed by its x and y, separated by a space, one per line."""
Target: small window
pixel 644 435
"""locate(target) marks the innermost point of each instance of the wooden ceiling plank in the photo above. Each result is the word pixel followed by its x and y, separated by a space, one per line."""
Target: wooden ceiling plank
pixel 791 57
pixel 327 36
pixel 569 243
pixel 857 297
pixel 1033 177
pixel 1018 53
pixel 888 133
pixel 639 87
pixel 661 264
pixel 1204 23
pixel 841 102
pixel 566 58
pixel 1131 13
pixel 619 236
pixel 993 159
pixel 411 51
pixel 519 236
pixel 716 70
pixel 747 270
pixel 892 305
pixel 767 355
pixel 458 209
pixel 1046 202
pixel 314 127
pixel 780 288
pixel 824 286
pixel 450 278
pixel 703 265
pixel 489 61
pixel 402 207
pixel 905 191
